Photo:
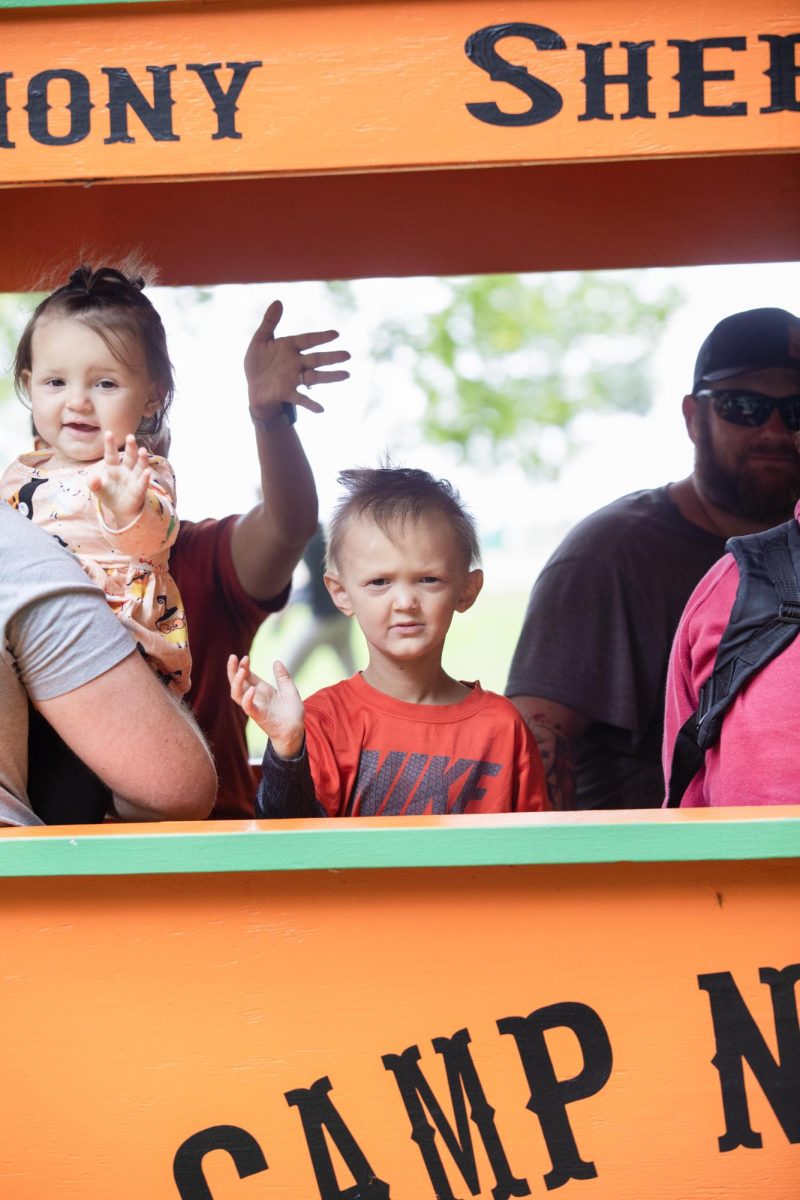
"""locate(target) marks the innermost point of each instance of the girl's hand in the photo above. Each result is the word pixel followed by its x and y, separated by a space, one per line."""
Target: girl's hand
pixel 121 483
pixel 277 710
pixel 277 367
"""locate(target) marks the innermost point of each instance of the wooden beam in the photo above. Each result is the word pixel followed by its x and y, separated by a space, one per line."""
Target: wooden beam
pixel 570 216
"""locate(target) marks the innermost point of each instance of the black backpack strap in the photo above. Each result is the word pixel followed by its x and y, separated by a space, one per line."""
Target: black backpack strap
pixel 730 674
pixel 687 759
pixel 778 561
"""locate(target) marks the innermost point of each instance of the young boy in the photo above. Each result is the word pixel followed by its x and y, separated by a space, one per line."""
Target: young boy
pixel 402 737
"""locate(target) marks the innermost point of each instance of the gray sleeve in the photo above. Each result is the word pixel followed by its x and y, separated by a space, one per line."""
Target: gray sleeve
pixel 62 633
pixel 586 643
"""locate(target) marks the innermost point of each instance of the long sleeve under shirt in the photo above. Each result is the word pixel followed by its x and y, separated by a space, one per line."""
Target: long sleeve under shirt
pixel 367 754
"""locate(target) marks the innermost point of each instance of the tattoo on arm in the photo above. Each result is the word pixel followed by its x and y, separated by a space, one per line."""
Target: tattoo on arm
pixel 557 757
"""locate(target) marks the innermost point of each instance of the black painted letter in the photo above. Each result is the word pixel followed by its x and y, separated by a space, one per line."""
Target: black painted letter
pixel 546 102
pixel 549 1095
pixel 738 1038
pixel 596 81
pixel 123 94
pixel 187 1169
pixel 692 76
pixel 783 72
pixel 463 1082
pixel 5 144
pixel 225 106
pixel 318 1114
pixel 38 106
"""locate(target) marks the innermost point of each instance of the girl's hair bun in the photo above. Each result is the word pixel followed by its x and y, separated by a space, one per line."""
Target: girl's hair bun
pixel 80 278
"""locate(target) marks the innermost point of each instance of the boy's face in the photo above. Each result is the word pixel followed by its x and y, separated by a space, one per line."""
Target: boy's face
pixel 403 590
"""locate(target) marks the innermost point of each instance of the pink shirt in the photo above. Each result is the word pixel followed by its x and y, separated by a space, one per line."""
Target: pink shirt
pixel 757 758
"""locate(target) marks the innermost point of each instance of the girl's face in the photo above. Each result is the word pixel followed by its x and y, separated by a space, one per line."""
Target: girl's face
pixel 78 389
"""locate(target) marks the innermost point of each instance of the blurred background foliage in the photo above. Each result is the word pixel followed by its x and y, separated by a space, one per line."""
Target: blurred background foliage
pixel 504 363
pixel 507 362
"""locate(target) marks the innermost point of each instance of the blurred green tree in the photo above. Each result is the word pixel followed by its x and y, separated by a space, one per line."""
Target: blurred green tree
pixel 508 362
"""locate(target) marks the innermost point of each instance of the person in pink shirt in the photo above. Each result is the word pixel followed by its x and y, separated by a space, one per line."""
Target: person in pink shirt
pixel 747 391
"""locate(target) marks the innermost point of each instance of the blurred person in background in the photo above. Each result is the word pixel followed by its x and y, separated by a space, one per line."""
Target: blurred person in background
pixel 326 626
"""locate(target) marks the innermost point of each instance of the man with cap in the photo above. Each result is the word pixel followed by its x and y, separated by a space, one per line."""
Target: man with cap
pixel 589 670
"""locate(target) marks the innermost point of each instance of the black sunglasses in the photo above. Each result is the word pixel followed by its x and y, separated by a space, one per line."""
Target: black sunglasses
pixel 753 408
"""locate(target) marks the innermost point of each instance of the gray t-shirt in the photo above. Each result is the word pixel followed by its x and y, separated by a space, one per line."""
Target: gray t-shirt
pixel 598 633
pixel 56 633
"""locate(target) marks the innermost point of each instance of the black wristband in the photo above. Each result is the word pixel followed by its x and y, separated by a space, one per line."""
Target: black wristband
pixel 286 416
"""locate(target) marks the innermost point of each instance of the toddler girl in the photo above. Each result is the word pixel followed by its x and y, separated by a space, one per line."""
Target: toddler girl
pixel 93 365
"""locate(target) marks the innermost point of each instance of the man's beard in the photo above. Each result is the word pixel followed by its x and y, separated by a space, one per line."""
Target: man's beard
pixel 754 497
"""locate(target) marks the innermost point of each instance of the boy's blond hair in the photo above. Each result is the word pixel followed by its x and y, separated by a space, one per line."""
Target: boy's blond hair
pixel 394 495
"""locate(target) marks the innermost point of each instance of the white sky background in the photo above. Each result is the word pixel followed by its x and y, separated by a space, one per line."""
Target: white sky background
pixel 213 449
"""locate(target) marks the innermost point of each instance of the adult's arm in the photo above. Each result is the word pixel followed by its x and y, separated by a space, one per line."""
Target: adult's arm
pixel 555 729
pixel 129 729
pixel 268 541
pixel 583 656
pixel 79 667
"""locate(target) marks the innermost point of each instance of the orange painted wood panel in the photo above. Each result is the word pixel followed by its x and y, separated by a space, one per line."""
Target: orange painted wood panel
pixel 143 1011
pixel 348 127
pixel 145 91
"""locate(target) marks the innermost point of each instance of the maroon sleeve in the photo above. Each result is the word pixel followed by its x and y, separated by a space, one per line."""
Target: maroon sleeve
pixel 223 619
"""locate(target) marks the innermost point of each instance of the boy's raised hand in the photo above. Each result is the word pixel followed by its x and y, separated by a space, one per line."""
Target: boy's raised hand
pixel 121 483
pixel 277 710
pixel 276 367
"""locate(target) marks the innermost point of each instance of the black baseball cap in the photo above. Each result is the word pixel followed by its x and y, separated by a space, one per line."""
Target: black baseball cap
pixel 748 341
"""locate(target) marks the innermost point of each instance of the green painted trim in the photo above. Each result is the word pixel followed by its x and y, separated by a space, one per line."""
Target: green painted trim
pixel 76 3
pixel 351 845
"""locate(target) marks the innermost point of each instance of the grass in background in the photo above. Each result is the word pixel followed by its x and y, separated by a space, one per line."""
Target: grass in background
pixel 479 646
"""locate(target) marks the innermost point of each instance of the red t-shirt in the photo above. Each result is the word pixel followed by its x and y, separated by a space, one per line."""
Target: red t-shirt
pixel 373 755
pixel 222 620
